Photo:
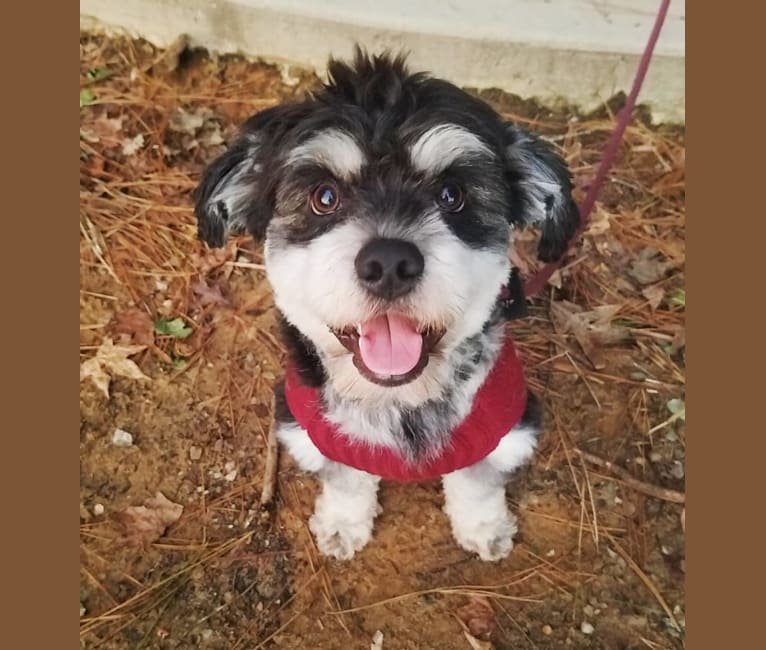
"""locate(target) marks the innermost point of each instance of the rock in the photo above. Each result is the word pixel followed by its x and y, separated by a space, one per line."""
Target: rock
pixel 547 630
pixel 678 470
pixel 586 628
pixel 98 510
pixel 195 453
pixel 588 610
pixel 121 438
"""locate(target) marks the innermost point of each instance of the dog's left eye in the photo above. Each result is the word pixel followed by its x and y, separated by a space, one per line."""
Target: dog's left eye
pixel 450 197
pixel 325 199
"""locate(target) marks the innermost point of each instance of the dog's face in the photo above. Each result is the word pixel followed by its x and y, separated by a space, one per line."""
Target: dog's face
pixel 387 202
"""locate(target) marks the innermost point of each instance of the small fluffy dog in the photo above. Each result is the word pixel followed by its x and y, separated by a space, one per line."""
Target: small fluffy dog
pixel 387 202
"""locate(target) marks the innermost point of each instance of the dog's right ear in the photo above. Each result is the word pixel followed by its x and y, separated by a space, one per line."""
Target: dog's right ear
pixel 232 196
pixel 225 199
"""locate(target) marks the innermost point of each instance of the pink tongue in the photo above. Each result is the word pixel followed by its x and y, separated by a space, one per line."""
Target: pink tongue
pixel 390 345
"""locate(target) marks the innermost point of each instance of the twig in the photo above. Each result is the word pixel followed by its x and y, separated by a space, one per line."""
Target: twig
pixel 272 460
pixel 646 488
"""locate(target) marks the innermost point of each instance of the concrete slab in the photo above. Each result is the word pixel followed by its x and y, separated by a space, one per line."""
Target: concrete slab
pixel 578 51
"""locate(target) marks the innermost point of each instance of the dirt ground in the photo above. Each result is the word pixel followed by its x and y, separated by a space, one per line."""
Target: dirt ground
pixel 599 561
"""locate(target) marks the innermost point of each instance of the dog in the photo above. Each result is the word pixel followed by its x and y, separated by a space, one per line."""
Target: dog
pixel 387 202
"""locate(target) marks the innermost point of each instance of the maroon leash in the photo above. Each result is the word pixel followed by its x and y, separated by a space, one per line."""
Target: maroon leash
pixel 534 284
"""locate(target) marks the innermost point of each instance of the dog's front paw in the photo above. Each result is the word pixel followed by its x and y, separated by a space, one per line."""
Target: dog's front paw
pixel 492 540
pixel 337 537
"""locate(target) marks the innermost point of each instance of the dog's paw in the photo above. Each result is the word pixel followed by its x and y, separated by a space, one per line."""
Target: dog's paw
pixel 492 540
pixel 340 538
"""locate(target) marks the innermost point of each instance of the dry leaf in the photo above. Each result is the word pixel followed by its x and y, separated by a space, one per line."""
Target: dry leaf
pixel 649 268
pixel 599 222
pixel 209 295
pixel 131 146
pixel 111 360
pixel 654 295
pixel 148 522
pixel 478 617
pixel 592 329
pixel 104 130
pixel 137 324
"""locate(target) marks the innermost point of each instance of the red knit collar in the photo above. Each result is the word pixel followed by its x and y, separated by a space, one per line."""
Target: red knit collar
pixel 498 406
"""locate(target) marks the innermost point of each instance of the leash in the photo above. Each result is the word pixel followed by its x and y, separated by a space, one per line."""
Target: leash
pixel 534 285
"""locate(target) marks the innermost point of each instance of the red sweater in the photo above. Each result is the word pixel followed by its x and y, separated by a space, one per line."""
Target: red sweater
pixel 498 406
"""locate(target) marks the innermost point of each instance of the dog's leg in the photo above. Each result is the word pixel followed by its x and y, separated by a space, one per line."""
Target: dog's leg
pixel 475 497
pixel 346 509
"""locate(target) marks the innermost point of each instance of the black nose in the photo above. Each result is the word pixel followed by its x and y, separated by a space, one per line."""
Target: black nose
pixel 389 268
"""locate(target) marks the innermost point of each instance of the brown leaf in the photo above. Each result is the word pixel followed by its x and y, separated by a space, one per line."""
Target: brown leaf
pixel 649 267
pixel 591 329
pixel 137 324
pixel 478 617
pixel 114 359
pixel 104 129
pixel 209 295
pixel 654 295
pixel 147 523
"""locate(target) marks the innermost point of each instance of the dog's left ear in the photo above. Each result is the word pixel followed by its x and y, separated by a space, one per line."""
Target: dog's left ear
pixel 543 190
pixel 233 195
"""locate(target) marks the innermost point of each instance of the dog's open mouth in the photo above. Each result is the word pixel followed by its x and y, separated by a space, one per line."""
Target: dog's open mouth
pixel 389 349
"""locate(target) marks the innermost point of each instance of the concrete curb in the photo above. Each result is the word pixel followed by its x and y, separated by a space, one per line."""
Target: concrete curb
pixel 550 73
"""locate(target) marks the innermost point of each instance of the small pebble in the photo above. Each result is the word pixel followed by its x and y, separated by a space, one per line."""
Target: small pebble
pixel 588 610
pixel 586 628
pixel 121 438
pixel 551 553
pixel 678 470
pixel 195 453
pixel 655 457
pixel 547 630
pixel 82 609
pixel 98 510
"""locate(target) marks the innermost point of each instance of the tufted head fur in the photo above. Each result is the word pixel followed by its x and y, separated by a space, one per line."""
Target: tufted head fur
pixel 387 202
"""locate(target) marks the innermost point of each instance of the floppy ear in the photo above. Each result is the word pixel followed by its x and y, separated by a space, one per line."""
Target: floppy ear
pixel 232 196
pixel 543 187
pixel 225 198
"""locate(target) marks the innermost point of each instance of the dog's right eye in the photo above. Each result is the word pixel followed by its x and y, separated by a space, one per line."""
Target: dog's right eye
pixel 325 199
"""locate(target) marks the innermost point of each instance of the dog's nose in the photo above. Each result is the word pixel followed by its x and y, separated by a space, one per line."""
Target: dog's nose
pixel 389 268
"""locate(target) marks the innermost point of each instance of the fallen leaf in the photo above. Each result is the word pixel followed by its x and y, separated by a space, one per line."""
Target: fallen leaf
pixel 183 121
pixel 591 329
pixel 87 97
pixel 654 295
pixel 678 298
pixel 99 74
pixel 649 267
pixel 176 328
pixel 209 295
pixel 478 616
pixel 131 146
pixel 677 407
pixel 149 522
pixel 599 222
pixel 137 324
pixel 104 129
pixel 114 359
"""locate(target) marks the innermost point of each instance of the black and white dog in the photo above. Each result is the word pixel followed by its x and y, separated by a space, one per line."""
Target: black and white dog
pixel 387 202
